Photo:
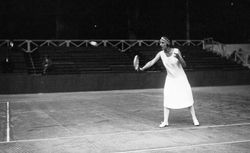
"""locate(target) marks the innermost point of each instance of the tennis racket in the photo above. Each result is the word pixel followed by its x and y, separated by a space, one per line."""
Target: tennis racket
pixel 136 62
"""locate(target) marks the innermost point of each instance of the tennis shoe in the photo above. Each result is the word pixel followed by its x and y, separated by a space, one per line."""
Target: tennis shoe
pixel 196 122
pixel 163 124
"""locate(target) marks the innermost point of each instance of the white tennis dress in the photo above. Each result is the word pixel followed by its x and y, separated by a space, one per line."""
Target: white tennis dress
pixel 177 90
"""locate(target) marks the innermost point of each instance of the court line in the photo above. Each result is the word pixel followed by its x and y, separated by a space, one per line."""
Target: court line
pixel 126 132
pixel 184 147
pixel 8 122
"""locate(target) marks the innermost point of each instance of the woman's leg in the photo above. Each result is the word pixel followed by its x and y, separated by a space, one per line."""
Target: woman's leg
pixel 166 115
pixel 195 120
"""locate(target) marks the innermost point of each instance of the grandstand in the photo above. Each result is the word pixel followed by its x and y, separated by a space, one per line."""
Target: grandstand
pixel 71 60
pixel 78 60
pixel 110 57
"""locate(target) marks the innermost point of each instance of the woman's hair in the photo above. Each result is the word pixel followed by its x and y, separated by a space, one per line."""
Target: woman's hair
pixel 165 39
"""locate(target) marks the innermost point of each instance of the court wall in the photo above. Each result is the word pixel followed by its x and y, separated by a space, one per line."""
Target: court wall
pixel 12 84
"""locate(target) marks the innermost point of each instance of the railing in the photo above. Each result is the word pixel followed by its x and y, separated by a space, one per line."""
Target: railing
pixel 123 45
pixel 188 43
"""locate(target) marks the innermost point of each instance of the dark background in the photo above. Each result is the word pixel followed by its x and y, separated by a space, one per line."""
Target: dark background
pixel 224 20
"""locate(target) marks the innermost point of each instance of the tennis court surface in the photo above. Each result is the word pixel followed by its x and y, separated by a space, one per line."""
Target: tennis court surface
pixel 125 121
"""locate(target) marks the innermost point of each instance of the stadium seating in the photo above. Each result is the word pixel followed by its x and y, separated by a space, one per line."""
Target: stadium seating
pixel 73 60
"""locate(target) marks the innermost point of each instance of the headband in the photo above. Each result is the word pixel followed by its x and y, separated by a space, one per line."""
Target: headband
pixel 165 39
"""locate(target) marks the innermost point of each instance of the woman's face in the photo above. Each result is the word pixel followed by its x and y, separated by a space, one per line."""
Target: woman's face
pixel 163 43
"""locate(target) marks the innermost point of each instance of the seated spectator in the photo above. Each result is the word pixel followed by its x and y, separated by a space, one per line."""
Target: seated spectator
pixel 237 56
pixel 46 64
pixel 240 53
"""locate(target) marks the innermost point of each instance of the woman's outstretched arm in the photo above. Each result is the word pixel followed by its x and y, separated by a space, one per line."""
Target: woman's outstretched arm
pixel 151 63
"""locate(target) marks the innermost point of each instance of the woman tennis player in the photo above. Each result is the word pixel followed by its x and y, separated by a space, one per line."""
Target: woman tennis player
pixel 177 90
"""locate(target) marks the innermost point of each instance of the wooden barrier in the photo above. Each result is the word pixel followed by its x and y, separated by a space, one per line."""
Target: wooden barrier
pixel 14 83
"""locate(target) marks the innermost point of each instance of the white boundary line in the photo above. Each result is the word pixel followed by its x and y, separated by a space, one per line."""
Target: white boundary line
pixel 8 122
pixel 126 132
pixel 183 147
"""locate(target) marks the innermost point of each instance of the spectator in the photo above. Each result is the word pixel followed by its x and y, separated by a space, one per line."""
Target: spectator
pixel 46 64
